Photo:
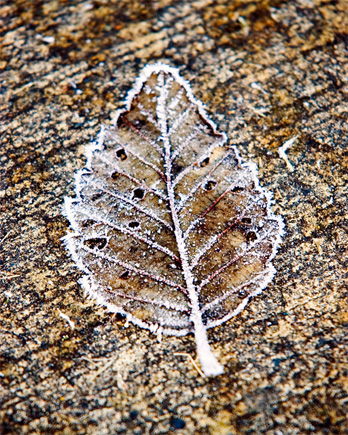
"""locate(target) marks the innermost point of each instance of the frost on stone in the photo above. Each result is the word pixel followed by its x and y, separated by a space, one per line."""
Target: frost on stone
pixel 171 229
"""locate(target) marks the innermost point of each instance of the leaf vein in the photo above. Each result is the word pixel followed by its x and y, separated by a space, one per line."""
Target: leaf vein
pixel 198 185
pixel 136 206
pixel 189 168
pixel 215 238
pixel 143 136
pixel 131 233
pixel 229 263
pixel 136 181
pixel 146 162
pixel 132 268
pixel 166 304
pixel 186 141
pixel 226 295
pixel 180 120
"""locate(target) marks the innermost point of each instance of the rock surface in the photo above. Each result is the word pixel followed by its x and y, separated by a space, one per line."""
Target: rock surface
pixel 269 72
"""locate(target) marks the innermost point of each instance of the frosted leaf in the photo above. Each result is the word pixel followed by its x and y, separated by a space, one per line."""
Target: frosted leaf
pixel 171 229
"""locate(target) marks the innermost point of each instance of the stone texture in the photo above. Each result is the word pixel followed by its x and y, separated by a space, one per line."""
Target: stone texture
pixel 268 71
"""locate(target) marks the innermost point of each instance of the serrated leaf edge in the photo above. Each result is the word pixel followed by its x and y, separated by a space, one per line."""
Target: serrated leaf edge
pixel 209 363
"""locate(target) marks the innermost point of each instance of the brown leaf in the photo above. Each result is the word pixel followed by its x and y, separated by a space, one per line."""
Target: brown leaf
pixel 170 227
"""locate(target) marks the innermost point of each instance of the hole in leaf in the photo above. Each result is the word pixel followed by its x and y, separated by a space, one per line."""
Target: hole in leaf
pixel 121 154
pixel 138 193
pixel 176 169
pixel 246 220
pixel 237 189
pixel 139 123
pixel 87 223
pixel 133 248
pixel 177 264
pixel 115 175
pixel 210 185
pixel 97 196
pixel 124 275
pixel 134 225
pixel 251 237
pixel 86 173
pixel 97 242
pixel 204 162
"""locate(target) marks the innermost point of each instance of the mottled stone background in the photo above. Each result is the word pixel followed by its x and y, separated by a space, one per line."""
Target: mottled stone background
pixel 268 71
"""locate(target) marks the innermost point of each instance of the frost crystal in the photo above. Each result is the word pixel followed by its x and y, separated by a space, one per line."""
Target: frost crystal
pixel 170 227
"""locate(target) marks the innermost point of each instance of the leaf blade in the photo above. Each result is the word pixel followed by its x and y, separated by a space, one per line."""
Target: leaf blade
pixel 183 221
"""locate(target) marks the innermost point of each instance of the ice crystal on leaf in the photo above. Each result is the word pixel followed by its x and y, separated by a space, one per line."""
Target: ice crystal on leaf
pixel 170 227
